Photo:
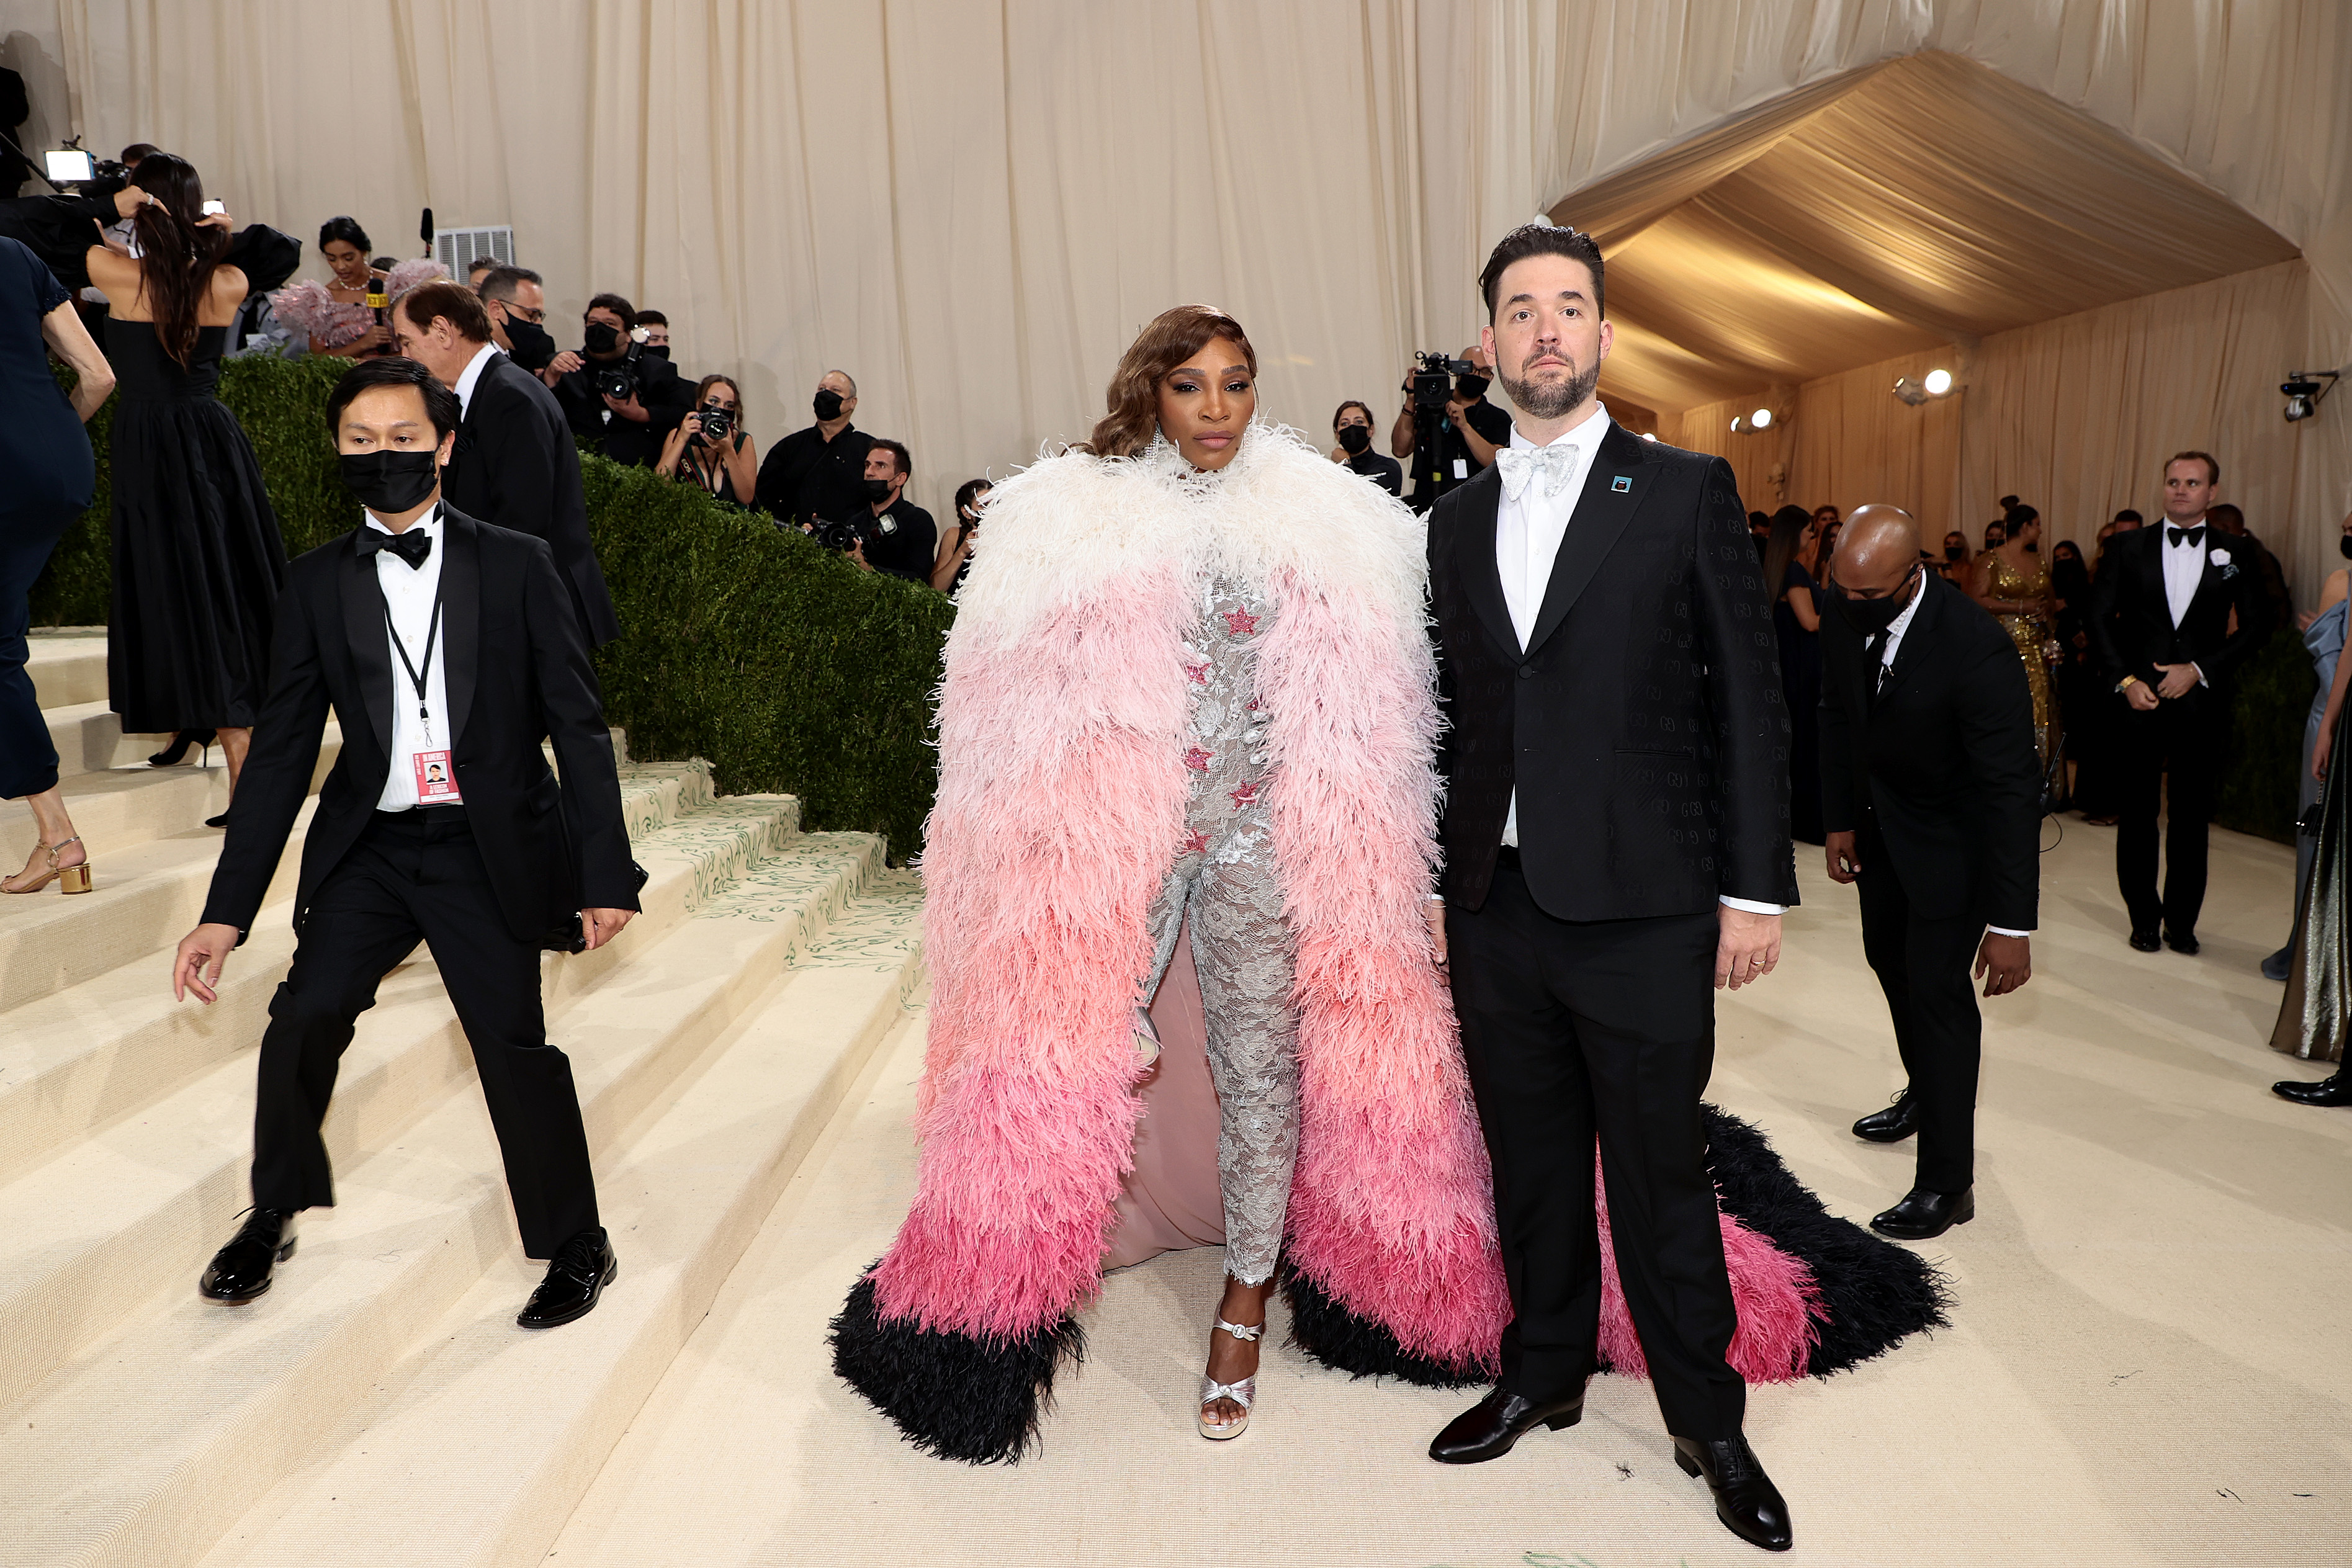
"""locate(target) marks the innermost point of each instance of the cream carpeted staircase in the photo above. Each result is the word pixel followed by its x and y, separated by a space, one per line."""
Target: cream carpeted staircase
pixel 379 1405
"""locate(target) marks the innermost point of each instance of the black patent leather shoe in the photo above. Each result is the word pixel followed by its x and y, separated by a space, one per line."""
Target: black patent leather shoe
pixel 2335 1091
pixel 1895 1124
pixel 241 1270
pixel 577 1276
pixel 1750 1505
pixel 2145 941
pixel 2181 942
pixel 2279 965
pixel 1923 1214
pixel 1488 1429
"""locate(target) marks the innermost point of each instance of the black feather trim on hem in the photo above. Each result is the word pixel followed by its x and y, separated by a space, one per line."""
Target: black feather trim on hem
pixel 1357 1345
pixel 952 1395
pixel 1877 1293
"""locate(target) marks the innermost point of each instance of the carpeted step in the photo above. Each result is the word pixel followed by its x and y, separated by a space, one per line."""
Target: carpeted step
pixel 494 1434
pixel 77 1058
pixel 68 664
pixel 131 1210
pixel 240 1397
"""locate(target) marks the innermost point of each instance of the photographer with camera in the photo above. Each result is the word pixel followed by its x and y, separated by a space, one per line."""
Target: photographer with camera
pixel 1354 426
pixel 955 551
pixel 1447 432
pixel 892 534
pixel 710 448
pixel 618 397
pixel 818 474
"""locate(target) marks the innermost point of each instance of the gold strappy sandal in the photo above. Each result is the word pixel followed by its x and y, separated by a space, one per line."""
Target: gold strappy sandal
pixel 75 878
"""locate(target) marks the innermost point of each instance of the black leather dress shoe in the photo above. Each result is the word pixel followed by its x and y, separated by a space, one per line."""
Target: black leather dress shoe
pixel 2181 941
pixel 1488 1429
pixel 1923 1214
pixel 2279 965
pixel 2145 941
pixel 241 1270
pixel 577 1275
pixel 2335 1091
pixel 1895 1124
pixel 1750 1505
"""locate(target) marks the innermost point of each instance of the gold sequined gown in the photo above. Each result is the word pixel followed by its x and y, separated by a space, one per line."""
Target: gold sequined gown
pixel 2031 631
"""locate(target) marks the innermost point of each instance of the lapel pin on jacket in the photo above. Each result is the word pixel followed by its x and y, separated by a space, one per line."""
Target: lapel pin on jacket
pixel 1621 484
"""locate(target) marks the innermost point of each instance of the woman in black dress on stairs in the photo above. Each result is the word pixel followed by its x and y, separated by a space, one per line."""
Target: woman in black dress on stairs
pixel 198 561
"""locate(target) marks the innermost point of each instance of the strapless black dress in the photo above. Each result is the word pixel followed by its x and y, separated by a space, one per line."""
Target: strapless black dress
pixel 198 560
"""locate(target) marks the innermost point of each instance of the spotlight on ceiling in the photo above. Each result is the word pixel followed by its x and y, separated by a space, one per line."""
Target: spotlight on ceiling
pixel 1761 420
pixel 2304 392
pixel 1938 383
pixel 1739 422
pixel 1910 391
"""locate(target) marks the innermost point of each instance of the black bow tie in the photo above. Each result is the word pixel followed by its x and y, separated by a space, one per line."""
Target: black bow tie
pixel 412 545
pixel 2195 536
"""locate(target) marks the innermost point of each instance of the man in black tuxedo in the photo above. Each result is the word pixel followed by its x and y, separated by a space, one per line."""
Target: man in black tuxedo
pixel 1616 845
pixel 448 649
pixel 2161 630
pixel 1931 794
pixel 517 465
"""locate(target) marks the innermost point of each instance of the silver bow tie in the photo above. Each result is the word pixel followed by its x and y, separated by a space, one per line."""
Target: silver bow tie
pixel 1519 464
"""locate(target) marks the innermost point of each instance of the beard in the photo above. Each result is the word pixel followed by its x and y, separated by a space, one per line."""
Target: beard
pixel 1549 400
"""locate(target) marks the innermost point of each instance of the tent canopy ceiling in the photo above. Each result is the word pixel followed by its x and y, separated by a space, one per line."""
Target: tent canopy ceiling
pixel 1923 201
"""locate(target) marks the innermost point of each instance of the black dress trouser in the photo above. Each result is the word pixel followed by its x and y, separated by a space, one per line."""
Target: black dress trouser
pixel 417 875
pixel 2170 757
pixel 1923 966
pixel 1577 1030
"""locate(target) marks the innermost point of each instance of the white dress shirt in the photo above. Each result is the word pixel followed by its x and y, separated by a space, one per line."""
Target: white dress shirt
pixel 1886 651
pixel 1528 536
pixel 2184 569
pixel 471 374
pixel 409 592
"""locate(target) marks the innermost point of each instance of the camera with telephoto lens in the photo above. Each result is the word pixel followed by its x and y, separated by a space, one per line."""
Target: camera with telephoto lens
pixel 715 421
pixel 618 381
pixel 843 537
pixel 1432 383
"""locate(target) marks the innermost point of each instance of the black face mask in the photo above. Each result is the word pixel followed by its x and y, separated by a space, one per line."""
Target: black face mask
pixel 1472 388
pixel 1355 439
pixel 534 345
pixel 2344 546
pixel 658 350
pixel 390 483
pixel 1872 616
pixel 602 337
pixel 828 406
pixel 878 489
pixel 1956 552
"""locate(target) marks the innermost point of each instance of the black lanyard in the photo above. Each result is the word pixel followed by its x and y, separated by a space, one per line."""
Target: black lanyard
pixel 416 676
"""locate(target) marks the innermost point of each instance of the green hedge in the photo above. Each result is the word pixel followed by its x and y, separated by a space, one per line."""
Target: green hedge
pixel 2259 778
pixel 784 664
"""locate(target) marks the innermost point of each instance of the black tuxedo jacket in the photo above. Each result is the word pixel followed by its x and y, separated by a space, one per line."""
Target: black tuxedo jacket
pixel 517 674
pixel 1942 758
pixel 2131 621
pixel 517 466
pixel 1644 725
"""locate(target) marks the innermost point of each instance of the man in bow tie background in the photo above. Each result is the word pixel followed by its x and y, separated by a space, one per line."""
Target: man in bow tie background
pixel 1616 847
pixel 446 648
pixel 2163 630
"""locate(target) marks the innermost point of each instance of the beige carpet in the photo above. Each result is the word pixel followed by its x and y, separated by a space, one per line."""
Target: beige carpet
pixel 2151 1361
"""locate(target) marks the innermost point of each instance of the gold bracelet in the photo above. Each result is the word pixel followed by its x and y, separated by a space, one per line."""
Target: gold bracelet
pixel 2128 682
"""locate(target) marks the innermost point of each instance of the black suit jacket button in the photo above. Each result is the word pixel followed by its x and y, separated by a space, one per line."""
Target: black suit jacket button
pixel 1526 672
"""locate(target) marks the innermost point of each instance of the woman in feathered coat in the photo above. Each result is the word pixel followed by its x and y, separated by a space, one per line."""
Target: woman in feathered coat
pixel 1190 689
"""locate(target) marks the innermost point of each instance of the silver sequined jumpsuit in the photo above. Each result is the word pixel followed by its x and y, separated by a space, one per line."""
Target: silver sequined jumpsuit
pixel 1224 878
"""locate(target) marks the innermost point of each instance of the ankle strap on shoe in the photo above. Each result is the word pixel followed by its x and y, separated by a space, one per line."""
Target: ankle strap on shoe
pixel 1243 1331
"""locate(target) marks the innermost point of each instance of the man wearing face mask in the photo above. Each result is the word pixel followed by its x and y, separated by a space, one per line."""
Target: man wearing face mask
pixel 1931 796
pixel 1354 426
pixel 517 303
pixel 901 540
pixel 517 465
pixel 656 326
pixel 446 649
pixel 819 473
pixel 618 397
pixel 1470 430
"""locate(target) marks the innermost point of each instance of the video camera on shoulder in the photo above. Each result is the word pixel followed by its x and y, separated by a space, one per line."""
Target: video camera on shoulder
pixel 70 166
pixel 1432 385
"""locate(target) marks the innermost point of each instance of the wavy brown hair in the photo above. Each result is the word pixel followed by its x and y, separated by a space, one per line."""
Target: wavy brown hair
pixel 177 252
pixel 1172 338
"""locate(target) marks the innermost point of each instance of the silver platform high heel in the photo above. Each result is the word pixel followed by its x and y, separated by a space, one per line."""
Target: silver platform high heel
pixel 1243 1393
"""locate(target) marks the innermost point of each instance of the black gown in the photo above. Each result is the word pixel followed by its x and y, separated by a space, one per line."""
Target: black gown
pixel 1801 684
pixel 198 560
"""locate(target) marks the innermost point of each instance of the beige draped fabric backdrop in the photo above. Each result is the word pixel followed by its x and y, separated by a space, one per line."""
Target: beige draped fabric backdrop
pixel 971 206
